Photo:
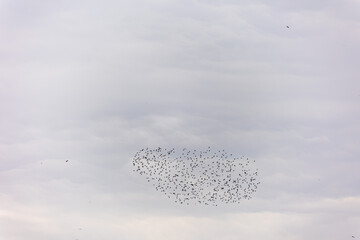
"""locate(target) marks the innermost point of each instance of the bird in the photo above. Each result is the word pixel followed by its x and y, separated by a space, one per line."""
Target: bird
pixel 66 160
pixel 206 177
pixel 287 27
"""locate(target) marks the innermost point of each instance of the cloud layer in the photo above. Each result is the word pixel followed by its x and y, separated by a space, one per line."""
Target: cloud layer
pixel 93 82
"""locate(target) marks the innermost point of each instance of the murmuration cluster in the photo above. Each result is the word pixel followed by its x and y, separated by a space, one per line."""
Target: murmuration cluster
pixel 190 176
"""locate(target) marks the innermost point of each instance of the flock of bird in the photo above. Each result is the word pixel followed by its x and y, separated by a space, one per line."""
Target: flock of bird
pixel 208 177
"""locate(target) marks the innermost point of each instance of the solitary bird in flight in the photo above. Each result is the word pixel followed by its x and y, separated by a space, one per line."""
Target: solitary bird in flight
pixel 287 27
pixel 66 160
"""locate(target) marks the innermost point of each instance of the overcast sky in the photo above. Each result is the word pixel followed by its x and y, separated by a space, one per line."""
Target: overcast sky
pixel 95 81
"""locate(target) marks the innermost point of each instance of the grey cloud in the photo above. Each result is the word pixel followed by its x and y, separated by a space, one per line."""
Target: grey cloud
pixel 95 81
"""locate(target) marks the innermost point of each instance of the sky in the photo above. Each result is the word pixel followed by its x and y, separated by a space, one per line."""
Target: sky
pixel 92 82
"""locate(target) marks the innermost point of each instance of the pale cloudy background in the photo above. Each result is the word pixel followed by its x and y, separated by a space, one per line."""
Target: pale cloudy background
pixel 94 81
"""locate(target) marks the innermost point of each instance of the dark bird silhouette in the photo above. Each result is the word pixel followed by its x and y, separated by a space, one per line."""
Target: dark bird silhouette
pixel 206 177
pixel 287 27
pixel 66 160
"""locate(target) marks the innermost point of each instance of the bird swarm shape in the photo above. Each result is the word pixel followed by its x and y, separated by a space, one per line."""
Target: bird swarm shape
pixel 198 177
